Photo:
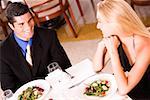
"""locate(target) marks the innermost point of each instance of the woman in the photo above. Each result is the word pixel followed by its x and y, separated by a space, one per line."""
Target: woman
pixel 127 42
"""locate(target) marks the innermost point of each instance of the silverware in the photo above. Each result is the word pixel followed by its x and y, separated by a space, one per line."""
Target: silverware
pixel 69 74
pixel 54 65
pixel 81 81
pixel 88 77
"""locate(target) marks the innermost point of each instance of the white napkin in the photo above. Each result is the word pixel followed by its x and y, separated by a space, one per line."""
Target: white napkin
pixel 57 78
pixel 81 71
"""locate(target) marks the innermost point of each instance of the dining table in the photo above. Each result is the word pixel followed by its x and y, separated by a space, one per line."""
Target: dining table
pixel 70 86
pixel 71 90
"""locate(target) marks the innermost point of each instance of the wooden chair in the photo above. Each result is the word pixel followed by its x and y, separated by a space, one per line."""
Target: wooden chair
pixel 142 3
pixel 48 9
pixel 79 6
pixel 4 27
pixel 3 21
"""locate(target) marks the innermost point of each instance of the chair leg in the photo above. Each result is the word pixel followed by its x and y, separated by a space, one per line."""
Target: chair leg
pixel 5 31
pixel 72 15
pixel 70 25
pixel 80 10
pixel 132 5
pixel 92 2
pixel 35 16
pixel 36 20
pixel 79 6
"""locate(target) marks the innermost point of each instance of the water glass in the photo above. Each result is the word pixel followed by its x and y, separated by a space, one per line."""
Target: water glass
pixel 56 77
pixel 53 66
pixel 7 94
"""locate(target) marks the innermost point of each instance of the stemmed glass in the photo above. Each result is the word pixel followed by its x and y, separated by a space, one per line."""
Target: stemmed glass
pixel 55 66
pixel 7 94
pixel 57 76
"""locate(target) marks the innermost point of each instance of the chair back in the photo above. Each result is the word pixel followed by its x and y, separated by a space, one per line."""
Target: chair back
pixel 48 9
pixel 3 20
pixel 140 2
pixel 44 10
pixel 143 7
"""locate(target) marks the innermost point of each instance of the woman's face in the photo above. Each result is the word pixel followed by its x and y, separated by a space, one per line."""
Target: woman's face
pixel 107 28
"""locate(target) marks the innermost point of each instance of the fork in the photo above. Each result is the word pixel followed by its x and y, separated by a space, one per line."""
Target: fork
pixel 71 76
pixel 88 77
pixel 81 81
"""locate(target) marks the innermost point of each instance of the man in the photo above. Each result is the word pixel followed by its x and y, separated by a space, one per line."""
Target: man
pixel 45 47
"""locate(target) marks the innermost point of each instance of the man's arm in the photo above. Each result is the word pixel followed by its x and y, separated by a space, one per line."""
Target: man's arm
pixel 7 77
pixel 58 54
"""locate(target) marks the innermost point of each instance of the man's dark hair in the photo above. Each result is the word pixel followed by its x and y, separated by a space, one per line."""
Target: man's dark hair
pixel 15 9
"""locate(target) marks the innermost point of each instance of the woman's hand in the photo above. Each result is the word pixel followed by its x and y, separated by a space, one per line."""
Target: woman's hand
pixel 111 44
pixel 101 44
pixel 99 56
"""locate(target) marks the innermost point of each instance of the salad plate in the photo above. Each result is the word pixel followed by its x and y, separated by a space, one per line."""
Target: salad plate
pixel 37 89
pixel 98 87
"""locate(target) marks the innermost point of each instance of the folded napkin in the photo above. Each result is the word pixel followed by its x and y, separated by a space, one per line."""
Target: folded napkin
pixel 81 71
pixel 57 78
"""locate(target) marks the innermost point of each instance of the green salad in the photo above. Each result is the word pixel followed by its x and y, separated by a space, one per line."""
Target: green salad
pixel 31 93
pixel 97 88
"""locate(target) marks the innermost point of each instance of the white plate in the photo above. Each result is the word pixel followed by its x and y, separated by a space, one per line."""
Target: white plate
pixel 110 92
pixel 40 83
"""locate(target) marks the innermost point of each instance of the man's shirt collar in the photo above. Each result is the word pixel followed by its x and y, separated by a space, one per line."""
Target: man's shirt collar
pixel 23 44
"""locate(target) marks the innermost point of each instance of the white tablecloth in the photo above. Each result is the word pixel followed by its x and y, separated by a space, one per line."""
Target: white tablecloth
pixel 81 71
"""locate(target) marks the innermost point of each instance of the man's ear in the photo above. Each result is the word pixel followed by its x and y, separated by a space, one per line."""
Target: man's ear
pixel 11 26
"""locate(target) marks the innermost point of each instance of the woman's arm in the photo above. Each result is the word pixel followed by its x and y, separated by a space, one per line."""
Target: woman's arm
pixel 127 83
pixel 98 61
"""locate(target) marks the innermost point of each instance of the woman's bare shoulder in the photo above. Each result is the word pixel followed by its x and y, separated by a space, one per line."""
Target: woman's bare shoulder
pixel 142 43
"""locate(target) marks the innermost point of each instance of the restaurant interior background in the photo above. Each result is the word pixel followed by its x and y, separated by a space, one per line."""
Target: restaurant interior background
pixel 86 26
pixel 84 46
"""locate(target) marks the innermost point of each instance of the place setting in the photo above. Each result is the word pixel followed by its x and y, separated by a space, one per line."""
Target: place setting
pixel 64 85
pixel 57 77
pixel 41 89
pixel 98 87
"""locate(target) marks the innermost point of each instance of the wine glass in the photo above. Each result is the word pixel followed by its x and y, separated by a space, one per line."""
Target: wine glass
pixel 53 66
pixel 57 77
pixel 7 94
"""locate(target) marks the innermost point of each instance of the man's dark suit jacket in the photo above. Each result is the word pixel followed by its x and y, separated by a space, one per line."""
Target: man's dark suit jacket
pixel 14 69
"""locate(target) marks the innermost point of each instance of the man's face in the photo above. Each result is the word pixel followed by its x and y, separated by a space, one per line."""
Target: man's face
pixel 23 26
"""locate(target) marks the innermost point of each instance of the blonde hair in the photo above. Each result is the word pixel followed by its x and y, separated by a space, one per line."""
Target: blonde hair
pixel 124 15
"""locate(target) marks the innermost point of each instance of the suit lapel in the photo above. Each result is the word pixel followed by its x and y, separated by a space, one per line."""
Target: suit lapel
pixel 36 50
pixel 21 64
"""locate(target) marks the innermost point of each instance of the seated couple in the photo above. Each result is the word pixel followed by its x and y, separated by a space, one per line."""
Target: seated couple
pixel 126 41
